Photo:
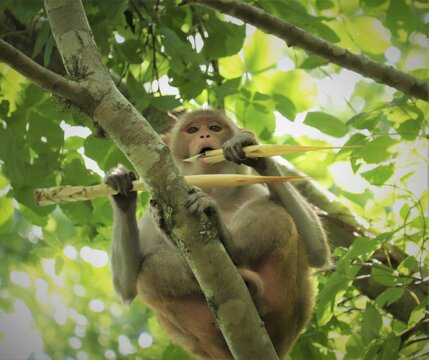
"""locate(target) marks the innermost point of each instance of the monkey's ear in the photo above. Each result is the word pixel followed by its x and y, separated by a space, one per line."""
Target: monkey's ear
pixel 166 138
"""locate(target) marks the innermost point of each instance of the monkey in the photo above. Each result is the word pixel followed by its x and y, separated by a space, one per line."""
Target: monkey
pixel 271 233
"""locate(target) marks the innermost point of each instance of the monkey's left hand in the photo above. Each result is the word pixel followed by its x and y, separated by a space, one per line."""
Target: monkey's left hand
pixel 233 149
pixel 199 202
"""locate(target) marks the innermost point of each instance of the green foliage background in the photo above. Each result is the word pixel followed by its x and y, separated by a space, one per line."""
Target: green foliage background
pixel 56 297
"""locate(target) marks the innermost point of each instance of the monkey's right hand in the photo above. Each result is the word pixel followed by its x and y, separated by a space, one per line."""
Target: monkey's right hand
pixel 121 180
pixel 233 149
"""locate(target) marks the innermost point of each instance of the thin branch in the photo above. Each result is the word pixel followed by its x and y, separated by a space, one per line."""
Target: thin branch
pixel 42 77
pixel 295 36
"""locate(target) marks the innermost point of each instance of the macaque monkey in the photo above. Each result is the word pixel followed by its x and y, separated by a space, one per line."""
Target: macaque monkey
pixel 270 232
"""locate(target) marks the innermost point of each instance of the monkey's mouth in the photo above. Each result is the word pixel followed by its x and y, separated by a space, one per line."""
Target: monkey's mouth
pixel 204 149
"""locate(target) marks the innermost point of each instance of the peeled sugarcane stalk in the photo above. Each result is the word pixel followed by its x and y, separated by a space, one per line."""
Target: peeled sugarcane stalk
pixel 265 150
pixel 67 193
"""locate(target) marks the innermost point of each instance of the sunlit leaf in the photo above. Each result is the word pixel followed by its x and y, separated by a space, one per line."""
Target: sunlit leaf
pixel 231 67
pixel 379 175
pixel 6 206
pixel 377 150
pixel 296 85
pixel 368 33
pixel 261 52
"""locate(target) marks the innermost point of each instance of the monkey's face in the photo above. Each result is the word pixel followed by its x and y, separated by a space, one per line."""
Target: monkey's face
pixel 199 134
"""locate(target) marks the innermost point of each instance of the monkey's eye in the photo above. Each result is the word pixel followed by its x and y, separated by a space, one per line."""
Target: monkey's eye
pixel 192 130
pixel 215 128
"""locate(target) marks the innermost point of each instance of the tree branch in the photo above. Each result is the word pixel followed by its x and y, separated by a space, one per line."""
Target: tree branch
pixel 294 36
pixel 42 77
pixel 197 239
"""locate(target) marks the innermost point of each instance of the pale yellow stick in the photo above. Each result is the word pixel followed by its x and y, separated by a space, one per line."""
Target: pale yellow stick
pixel 67 193
pixel 265 150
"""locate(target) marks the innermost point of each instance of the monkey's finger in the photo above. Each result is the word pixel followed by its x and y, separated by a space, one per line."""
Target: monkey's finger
pixel 233 153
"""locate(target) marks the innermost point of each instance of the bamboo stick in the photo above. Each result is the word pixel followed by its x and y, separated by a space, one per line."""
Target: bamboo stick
pixel 67 193
pixel 264 150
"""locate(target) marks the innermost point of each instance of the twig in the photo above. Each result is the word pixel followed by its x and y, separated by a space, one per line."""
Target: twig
pixel 67 193
pixel 295 36
pixel 265 150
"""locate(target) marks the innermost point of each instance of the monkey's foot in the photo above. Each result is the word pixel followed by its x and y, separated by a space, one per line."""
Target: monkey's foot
pixel 158 216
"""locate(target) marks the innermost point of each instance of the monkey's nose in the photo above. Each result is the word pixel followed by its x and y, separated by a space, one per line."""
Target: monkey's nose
pixel 205 136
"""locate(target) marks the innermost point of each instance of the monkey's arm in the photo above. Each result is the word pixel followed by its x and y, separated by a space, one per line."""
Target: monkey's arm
pixel 307 222
pixel 126 253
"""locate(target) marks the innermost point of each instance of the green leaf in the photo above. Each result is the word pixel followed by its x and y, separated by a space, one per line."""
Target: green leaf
pixel 324 32
pixel 391 347
pixel 52 241
pixel 326 123
pixel 410 129
pixel 327 297
pixel 45 252
pixel 377 150
pixel 79 213
pixel 389 296
pixel 408 266
pixel 285 106
pixel 191 88
pixel 324 4
pixel 98 149
pixel 73 143
pixel 258 118
pixel 312 62
pixel 373 350
pixel 130 51
pixel 383 275
pixel 224 39
pixel 3 182
pixel 371 324
pixel 175 352
pixel 379 175
pixel 48 51
pixel 373 2
pixel 165 103
pixel 365 120
pixel 42 38
pixel 363 247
